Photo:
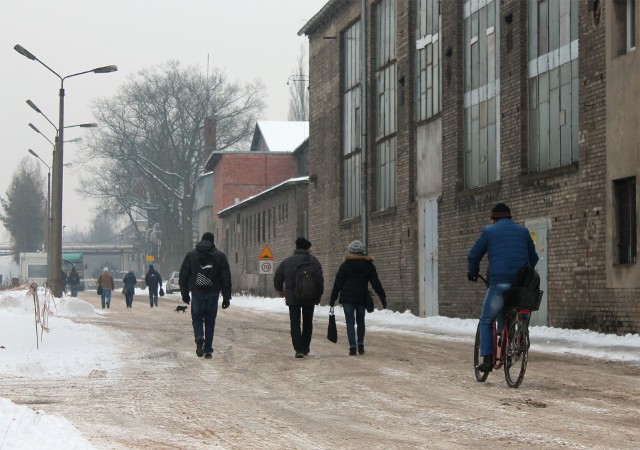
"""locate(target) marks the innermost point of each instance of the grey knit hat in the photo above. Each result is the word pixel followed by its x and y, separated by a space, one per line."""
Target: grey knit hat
pixel 357 247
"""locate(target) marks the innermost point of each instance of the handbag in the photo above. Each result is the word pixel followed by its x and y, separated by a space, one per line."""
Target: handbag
pixel 161 293
pixel 124 291
pixel 369 304
pixel 332 331
pixel 99 290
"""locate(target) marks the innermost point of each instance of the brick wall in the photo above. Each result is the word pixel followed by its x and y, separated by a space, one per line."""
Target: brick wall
pixel 572 198
pixel 392 234
pixel 241 175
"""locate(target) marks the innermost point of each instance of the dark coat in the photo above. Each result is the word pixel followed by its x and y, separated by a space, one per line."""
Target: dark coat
pixel 74 278
pixel 353 278
pixel 130 282
pixel 285 276
pixel 509 247
pixel 208 253
pixel 153 279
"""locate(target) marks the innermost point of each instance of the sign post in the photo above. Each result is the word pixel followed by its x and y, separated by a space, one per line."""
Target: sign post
pixel 265 265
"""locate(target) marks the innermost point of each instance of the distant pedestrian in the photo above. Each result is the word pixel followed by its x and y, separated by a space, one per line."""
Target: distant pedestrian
pixel 129 282
pixel 105 281
pixel 352 285
pixel 284 281
pixel 205 273
pixel 74 281
pixel 153 280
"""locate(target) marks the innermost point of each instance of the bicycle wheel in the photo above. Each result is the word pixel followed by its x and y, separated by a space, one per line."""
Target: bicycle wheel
pixel 480 376
pixel 516 353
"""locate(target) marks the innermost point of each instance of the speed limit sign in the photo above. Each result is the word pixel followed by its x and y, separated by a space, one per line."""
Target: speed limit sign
pixel 266 267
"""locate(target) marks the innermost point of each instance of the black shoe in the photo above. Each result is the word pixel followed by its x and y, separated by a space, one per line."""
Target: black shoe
pixel 299 355
pixel 108 306
pixel 352 351
pixel 208 355
pixel 199 347
pixel 487 364
pixel 361 349
pixel 305 352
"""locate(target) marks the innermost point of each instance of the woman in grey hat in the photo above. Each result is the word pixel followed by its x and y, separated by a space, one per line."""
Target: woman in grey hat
pixel 352 285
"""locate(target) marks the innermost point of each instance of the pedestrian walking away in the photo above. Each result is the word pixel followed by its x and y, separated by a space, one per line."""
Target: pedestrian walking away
pixel 301 307
pixel 509 247
pixel 153 280
pixel 129 282
pixel 205 274
pixel 74 281
pixel 105 281
pixel 352 287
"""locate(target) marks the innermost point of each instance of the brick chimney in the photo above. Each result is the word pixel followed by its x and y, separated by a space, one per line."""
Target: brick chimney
pixel 209 137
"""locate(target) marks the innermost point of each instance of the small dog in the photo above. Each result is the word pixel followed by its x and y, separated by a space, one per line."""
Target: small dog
pixel 181 308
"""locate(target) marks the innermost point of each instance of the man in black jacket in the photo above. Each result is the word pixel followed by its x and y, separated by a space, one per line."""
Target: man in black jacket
pixel 284 281
pixel 205 273
pixel 153 280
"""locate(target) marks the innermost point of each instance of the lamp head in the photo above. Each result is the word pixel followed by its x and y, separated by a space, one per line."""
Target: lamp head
pixel 106 69
pixel 88 125
pixel 33 127
pixel 34 107
pixel 24 52
pixel 33 153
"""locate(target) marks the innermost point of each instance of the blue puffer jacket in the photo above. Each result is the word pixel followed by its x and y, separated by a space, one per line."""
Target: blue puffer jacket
pixel 509 247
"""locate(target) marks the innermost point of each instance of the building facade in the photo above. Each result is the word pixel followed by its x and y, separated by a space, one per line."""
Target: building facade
pixel 466 103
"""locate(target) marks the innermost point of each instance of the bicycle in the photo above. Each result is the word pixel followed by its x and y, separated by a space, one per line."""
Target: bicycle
pixel 514 349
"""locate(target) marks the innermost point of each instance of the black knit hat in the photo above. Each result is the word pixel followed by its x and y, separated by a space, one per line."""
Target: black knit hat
pixel 501 211
pixel 302 243
pixel 208 237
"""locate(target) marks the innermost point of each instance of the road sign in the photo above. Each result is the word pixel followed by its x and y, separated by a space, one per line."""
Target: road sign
pixel 266 266
pixel 151 258
pixel 266 253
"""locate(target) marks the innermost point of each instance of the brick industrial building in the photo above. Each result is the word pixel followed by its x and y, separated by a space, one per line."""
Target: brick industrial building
pixel 465 103
pixel 260 198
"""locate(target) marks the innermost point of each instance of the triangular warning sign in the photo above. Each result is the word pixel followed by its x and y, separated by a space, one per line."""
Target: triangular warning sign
pixel 266 253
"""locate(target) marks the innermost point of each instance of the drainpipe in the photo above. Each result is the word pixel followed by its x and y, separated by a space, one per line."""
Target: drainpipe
pixel 364 206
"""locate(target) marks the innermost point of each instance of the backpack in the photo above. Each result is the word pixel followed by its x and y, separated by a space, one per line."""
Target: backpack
pixel 307 289
pixel 206 271
pixel 525 291
pixel 527 277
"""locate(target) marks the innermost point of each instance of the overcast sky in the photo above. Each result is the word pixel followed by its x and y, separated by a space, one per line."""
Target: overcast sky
pixel 248 39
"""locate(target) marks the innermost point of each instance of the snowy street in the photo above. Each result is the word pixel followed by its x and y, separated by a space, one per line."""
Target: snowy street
pixel 141 385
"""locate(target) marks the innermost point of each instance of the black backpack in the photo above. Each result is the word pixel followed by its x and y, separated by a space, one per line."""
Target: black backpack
pixel 527 278
pixel 206 271
pixel 307 289
pixel 525 291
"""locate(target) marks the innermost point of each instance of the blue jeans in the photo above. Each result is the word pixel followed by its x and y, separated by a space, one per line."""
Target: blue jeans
pixel 491 310
pixel 354 314
pixel 204 309
pixel 106 295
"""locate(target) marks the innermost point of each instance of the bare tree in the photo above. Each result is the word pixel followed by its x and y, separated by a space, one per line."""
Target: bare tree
pixel 299 90
pixel 24 208
pixel 150 146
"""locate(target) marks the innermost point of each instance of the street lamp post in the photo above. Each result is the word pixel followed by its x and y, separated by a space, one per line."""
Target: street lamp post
pixel 55 242
pixel 48 208
pixel 33 106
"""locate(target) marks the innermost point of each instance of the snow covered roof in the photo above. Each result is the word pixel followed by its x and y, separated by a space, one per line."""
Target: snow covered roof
pixel 279 136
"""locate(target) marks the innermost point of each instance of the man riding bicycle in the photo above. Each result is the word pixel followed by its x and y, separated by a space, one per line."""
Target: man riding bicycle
pixel 509 247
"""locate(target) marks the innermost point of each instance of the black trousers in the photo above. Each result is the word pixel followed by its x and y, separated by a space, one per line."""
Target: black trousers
pixel 301 338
